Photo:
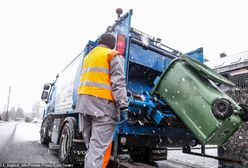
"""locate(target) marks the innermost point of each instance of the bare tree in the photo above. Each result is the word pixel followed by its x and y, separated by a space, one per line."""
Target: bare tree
pixel 12 113
pixel 4 116
pixel 19 112
pixel 37 110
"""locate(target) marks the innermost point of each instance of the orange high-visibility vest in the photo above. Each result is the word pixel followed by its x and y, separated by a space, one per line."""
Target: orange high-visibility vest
pixel 95 78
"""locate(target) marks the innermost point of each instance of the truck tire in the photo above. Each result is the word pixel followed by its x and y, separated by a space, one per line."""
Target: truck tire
pixel 65 143
pixel 44 138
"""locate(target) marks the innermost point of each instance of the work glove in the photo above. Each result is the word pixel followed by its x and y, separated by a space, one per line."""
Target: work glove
pixel 123 121
pixel 124 114
pixel 123 117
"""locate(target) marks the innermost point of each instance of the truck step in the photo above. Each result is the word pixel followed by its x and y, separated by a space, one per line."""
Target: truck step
pixel 53 146
pixel 78 140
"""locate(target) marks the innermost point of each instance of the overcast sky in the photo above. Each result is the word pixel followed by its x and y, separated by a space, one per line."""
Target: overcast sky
pixel 38 38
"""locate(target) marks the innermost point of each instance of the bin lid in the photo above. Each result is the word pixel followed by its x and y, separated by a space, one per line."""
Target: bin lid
pixel 206 71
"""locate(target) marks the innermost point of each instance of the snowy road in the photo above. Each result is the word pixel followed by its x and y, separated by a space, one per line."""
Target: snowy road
pixel 19 143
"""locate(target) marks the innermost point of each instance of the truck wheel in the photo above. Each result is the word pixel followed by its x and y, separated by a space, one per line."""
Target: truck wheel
pixel 44 138
pixel 139 154
pixel 65 143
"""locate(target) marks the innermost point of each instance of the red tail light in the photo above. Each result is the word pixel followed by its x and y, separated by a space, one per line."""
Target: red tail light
pixel 121 43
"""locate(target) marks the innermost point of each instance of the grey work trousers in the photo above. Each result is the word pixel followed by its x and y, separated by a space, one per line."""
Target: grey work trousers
pixel 97 134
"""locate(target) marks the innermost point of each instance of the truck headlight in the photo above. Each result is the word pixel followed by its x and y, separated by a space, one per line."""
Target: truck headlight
pixel 222 109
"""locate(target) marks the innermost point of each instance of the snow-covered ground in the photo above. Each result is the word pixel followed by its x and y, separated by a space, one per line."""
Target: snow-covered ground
pixel 192 160
pixel 27 132
pixel 6 132
pixel 19 143
pixel 1 121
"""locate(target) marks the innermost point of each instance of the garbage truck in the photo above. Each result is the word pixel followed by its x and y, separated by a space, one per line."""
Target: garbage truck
pixel 173 101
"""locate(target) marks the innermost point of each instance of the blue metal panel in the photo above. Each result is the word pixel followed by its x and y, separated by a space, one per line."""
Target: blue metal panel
pixel 148 58
pixel 139 86
pixel 148 130
pixel 197 54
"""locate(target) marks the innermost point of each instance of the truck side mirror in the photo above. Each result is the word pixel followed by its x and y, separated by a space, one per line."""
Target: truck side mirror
pixel 44 95
pixel 47 86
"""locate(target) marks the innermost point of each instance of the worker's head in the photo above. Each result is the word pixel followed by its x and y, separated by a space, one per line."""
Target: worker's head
pixel 108 40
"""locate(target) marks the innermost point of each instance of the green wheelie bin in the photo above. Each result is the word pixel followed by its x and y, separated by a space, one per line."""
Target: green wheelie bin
pixel 189 88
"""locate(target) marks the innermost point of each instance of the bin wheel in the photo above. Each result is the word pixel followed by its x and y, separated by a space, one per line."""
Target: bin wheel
pixel 222 109
pixel 44 138
pixel 186 149
pixel 65 143
pixel 244 107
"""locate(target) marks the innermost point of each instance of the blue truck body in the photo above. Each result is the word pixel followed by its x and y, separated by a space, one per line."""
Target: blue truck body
pixel 152 126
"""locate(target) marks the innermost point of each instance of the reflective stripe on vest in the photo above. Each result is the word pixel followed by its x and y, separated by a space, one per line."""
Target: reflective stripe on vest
pixel 96 69
pixel 95 78
pixel 96 84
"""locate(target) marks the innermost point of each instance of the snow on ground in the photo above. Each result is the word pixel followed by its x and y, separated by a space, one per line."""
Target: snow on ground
pixel 2 122
pixel 198 161
pixel 27 132
pixel 6 130
pixel 22 146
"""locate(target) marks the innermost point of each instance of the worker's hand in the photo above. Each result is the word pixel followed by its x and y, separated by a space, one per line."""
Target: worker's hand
pixel 124 115
pixel 123 121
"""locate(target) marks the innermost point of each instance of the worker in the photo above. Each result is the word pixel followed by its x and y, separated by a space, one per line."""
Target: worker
pixel 102 100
